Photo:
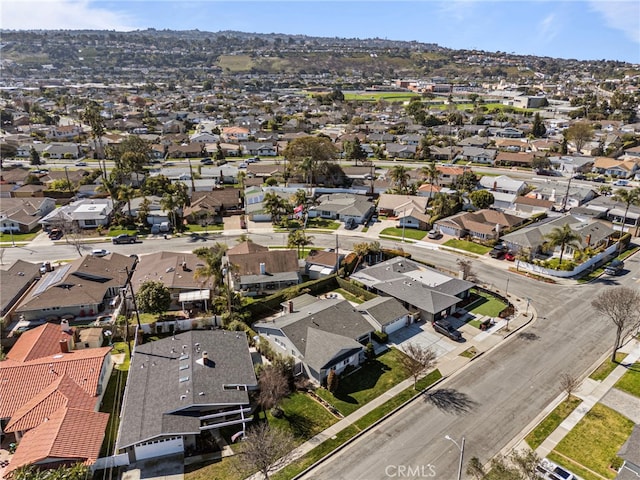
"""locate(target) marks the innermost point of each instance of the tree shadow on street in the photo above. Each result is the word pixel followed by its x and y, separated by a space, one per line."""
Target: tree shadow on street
pixel 528 336
pixel 450 401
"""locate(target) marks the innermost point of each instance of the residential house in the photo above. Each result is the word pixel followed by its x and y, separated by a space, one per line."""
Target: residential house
pixel 21 215
pixel 321 334
pixel 394 205
pixel 608 208
pixel 616 168
pixel 504 184
pixel 514 159
pixel 254 202
pixel 414 218
pixel 204 137
pixel 475 141
pixel 477 155
pixel 256 270
pixel 509 132
pixel 188 386
pixel 51 395
pixel 260 149
pixel 222 174
pixel 342 206
pixel 398 150
pixel 387 314
pixel 322 263
pixel 563 195
pixel 235 134
pixel 530 205
pixel 208 208
pixel 58 151
pixel 64 132
pixel 156 214
pixel 426 293
pixel 448 175
pixel 572 164
pixel 189 150
pixel 84 288
pixel 15 281
pixel 593 234
pixel 177 272
pixel 86 213
pixel 483 225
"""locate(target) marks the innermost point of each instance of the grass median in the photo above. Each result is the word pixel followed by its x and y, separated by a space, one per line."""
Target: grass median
pixel 551 422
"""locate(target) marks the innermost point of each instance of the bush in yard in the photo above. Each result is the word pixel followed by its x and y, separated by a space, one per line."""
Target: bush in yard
pixel 380 337
pixel 369 351
pixel 332 381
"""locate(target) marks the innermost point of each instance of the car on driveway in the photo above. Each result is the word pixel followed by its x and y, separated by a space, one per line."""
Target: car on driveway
pixel 206 161
pixel 445 328
pixel 509 256
pixel 434 234
pixel 124 238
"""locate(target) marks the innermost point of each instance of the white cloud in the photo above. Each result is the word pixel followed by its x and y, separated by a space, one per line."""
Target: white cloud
pixel 548 27
pixel 620 15
pixel 61 14
pixel 457 10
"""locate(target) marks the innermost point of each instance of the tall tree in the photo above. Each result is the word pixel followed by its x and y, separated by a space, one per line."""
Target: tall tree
pixel 621 306
pixel 481 199
pixel 537 128
pixel 273 387
pixel 628 197
pixel 416 360
pixel 275 205
pixel 263 446
pixel 153 297
pixel 93 116
pixel 34 157
pixel 316 150
pixel 212 267
pixel 400 177
pixel 298 239
pixel 563 237
pixel 579 133
pixel 125 194
pixel 353 151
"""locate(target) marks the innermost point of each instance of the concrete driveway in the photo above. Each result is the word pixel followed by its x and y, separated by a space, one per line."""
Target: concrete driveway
pixel 423 334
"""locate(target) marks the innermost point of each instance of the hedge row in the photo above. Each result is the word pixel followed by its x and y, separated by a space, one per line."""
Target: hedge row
pixel 351 287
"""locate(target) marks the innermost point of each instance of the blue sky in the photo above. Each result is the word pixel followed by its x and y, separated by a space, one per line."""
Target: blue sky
pixel 582 29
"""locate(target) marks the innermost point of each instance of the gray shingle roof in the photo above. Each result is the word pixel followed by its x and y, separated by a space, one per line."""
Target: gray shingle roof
pixel 383 309
pixel 169 386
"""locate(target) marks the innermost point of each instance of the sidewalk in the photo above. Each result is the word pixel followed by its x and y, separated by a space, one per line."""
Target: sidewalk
pixel 449 364
pixel 591 392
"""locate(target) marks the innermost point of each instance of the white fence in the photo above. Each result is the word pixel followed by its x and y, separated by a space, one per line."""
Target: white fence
pixel 110 462
pixel 182 325
pixel 588 265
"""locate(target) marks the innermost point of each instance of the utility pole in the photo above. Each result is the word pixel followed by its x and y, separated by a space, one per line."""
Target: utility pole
pixel 133 297
pixel 566 195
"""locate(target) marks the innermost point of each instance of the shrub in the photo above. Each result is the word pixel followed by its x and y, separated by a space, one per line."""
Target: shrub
pixel 380 337
pixel 332 381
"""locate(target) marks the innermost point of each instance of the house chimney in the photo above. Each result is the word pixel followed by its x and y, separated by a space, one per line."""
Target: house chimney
pixel 495 185
pixel 184 266
pixel 205 359
pixel 64 346
pixel 64 326
pixel 290 306
pixel 263 269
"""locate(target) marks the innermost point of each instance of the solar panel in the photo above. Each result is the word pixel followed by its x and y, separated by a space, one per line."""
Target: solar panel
pixel 51 279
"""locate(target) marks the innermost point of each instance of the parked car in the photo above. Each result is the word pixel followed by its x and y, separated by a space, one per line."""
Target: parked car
pixel 445 328
pixel 124 238
pixel 434 234
pixel 580 176
pixel 621 183
pixel 206 161
pixel 55 234
pixel 509 256
pixel 81 164
pixel 614 268
pixel 498 251
pixel 100 252
pixel 599 179
pixel 350 224
pixel 243 165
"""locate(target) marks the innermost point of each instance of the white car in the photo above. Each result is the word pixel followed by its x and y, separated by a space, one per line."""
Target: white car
pixel 100 252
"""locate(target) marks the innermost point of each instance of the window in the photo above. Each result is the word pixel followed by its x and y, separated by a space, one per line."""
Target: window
pixel 90 222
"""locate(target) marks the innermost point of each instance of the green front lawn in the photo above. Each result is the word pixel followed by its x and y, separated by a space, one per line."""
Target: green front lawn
pixel 323 223
pixel 370 381
pixel 195 227
pixel 18 237
pixel 408 233
pixel 607 367
pixel 114 232
pixel 595 440
pixel 551 422
pixel 467 246
pixel 630 381
pixel 486 304
pixel 304 417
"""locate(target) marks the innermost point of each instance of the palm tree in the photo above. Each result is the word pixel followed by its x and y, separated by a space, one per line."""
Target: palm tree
pixel 564 237
pixel 299 240
pixel 432 174
pixel 628 197
pixel 212 267
pixel 400 176
pixel 308 168
pixel 169 204
pixel 274 205
pixel 125 194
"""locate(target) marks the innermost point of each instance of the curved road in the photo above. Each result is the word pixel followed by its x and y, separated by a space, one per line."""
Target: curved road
pixel 489 403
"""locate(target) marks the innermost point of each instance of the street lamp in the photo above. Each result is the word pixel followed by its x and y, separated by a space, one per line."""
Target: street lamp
pixel 461 448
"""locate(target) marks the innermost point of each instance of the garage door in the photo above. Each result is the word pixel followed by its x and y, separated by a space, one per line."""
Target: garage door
pixel 395 326
pixel 159 448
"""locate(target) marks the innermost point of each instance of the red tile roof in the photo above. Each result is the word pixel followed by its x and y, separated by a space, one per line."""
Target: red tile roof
pixel 20 382
pixel 39 342
pixel 69 434
pixel 64 392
